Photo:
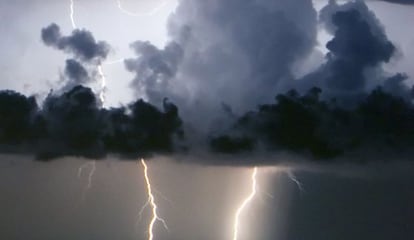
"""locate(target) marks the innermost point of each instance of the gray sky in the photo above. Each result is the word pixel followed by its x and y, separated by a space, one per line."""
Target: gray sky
pixel 30 67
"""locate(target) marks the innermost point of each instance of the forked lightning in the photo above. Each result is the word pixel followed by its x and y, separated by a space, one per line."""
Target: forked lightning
pixel 151 201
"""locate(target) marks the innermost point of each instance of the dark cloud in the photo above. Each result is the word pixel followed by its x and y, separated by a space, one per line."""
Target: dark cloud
pixel 81 43
pixel 16 116
pixel 73 124
pixel 154 67
pixel 354 48
pixel 310 126
pixel 396 86
pixel 359 44
pixel 76 73
pixel 88 53
pixel 348 113
pixel 368 16
pixel 225 58
pixel 237 53
pixel 408 2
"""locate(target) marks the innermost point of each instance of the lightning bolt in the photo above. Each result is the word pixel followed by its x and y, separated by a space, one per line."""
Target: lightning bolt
pixel 294 179
pixel 92 165
pixel 72 13
pixel 151 202
pixel 136 14
pixel 145 14
pixel 141 211
pixel 151 198
pixel 103 85
pixel 100 68
pixel 246 201
pixel 102 98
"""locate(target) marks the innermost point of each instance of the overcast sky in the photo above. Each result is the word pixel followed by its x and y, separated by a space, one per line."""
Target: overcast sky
pixel 27 65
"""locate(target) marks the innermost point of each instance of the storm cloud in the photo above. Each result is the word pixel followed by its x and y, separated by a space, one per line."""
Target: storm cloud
pixel 380 125
pixel 81 43
pixel 228 68
pixel 407 2
pixel 359 47
pixel 72 124
pixel 87 55
pixel 340 109
pixel 236 53
pixel 76 72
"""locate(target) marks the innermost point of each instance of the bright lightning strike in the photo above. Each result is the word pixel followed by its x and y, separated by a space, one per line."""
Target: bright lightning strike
pixel 72 13
pixel 151 201
pixel 145 14
pixel 141 211
pixel 244 204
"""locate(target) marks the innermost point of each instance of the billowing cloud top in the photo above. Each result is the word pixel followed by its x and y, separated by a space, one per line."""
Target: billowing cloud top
pixel 236 53
pixel 81 43
pixel 225 63
pixel 359 44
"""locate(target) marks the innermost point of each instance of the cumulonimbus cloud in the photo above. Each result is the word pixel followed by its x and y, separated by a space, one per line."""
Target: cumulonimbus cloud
pixel 223 67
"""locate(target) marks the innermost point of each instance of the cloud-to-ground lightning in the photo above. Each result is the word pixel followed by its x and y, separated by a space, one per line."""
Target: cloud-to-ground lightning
pixel 151 201
pixel 102 98
pixel 246 201
pixel 141 211
pixel 92 165
pixel 143 14
pixel 292 177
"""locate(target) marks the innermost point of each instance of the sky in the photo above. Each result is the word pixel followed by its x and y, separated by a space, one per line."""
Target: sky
pixel 334 156
pixel 24 54
pixel 26 51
